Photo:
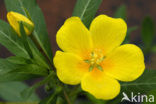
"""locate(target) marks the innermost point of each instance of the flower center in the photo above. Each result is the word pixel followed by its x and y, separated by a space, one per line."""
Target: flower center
pixel 94 61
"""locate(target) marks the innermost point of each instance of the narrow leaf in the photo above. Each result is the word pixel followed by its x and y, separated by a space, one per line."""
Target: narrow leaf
pixel 19 60
pixel 154 49
pixel 18 71
pixel 142 85
pixel 86 10
pixel 16 76
pixel 148 32
pixel 31 69
pixel 38 58
pixel 10 91
pixel 11 41
pixel 6 66
pixel 24 40
pixel 145 83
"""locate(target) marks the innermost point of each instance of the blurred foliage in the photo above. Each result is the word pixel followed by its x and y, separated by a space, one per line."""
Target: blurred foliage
pixel 121 12
pixel 154 49
pixel 148 32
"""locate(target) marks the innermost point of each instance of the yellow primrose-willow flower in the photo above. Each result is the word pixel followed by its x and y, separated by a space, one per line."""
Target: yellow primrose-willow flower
pixel 15 18
pixel 95 58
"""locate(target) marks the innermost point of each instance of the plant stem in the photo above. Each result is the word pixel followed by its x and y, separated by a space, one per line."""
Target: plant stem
pixel 67 98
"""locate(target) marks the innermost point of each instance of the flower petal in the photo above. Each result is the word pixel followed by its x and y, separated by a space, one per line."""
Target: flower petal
pixel 127 63
pixel 107 33
pixel 105 88
pixel 70 68
pixel 74 37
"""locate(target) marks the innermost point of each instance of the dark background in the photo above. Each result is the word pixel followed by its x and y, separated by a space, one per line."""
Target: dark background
pixel 56 11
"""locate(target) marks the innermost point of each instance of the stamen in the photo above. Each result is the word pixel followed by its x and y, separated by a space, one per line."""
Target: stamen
pixel 94 61
pixel 100 60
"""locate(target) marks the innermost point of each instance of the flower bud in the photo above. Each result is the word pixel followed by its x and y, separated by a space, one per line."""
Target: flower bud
pixel 14 20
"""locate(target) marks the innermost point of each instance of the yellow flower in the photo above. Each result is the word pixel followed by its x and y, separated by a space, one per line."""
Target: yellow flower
pixel 94 57
pixel 15 18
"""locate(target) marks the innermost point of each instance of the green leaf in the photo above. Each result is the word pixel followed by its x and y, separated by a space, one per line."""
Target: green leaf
pixel 40 31
pixel 16 76
pixel 10 91
pixel 38 58
pixel 14 44
pixel 148 32
pixel 24 39
pixel 19 60
pixel 142 85
pixel 154 49
pixel 17 72
pixel 145 83
pixel 86 10
pixel 31 69
pixel 121 12
pixel 11 41
pixel 32 49
pixel 31 64
pixel 6 66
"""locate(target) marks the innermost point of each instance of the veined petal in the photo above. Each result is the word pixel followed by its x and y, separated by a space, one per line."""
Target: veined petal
pixel 127 63
pixel 70 68
pixel 74 37
pixel 105 88
pixel 107 33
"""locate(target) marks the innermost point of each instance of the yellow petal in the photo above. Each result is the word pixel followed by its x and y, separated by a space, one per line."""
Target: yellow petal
pixel 107 33
pixel 126 63
pixel 105 88
pixel 70 68
pixel 74 37
pixel 14 18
